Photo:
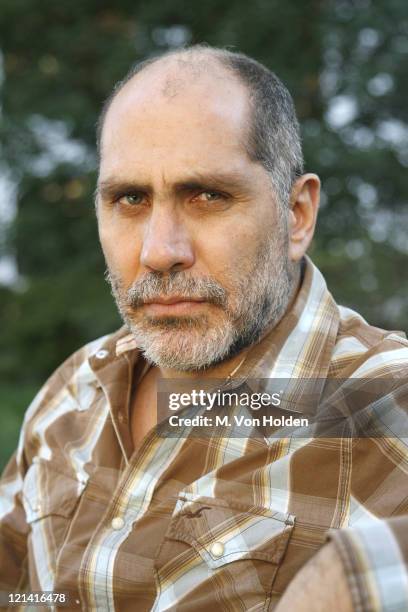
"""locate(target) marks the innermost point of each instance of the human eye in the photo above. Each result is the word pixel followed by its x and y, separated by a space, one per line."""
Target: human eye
pixel 131 199
pixel 209 196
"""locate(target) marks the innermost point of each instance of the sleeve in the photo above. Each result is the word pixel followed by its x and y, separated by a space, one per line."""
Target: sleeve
pixel 14 529
pixel 375 559
pixel 13 526
pixel 15 554
pixel 374 548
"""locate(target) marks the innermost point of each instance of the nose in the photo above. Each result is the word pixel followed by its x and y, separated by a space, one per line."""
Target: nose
pixel 166 243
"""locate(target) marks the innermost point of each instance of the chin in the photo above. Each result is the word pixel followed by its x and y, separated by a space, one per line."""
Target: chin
pixel 188 348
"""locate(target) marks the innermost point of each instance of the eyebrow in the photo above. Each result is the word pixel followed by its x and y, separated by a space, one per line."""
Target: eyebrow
pixel 111 187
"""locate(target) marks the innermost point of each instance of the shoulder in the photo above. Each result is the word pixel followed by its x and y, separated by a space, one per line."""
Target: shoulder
pixel 70 380
pixel 363 350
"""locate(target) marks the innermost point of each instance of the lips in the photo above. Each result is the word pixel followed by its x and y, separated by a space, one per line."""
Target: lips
pixel 171 306
pixel 172 300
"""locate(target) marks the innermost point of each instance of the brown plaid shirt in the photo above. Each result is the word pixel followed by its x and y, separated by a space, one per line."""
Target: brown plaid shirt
pixel 221 523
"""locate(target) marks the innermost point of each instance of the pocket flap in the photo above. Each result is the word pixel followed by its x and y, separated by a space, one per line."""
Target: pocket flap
pixel 222 531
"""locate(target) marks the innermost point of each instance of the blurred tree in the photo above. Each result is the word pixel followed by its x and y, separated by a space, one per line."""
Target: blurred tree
pixel 345 63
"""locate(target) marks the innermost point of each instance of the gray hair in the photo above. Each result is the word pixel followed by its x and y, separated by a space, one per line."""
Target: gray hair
pixel 274 135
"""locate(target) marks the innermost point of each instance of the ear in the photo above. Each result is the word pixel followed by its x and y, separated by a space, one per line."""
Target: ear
pixel 304 204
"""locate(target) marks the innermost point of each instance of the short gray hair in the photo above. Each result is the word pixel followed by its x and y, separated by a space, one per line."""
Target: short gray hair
pixel 274 135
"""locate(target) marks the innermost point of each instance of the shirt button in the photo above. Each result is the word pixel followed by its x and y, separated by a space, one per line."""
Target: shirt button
pixel 121 417
pixel 101 354
pixel 217 549
pixel 117 522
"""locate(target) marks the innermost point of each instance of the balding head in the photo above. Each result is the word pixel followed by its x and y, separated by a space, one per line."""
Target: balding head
pixel 270 131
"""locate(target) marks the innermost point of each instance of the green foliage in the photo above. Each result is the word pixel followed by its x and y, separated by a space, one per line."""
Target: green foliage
pixel 60 62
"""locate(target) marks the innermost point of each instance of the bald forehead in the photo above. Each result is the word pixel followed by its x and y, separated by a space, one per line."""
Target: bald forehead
pixel 200 77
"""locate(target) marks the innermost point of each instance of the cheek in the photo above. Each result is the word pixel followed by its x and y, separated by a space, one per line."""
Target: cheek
pixel 121 249
pixel 230 254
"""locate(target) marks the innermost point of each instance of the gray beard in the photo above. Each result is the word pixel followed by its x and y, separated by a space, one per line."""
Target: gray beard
pixel 190 344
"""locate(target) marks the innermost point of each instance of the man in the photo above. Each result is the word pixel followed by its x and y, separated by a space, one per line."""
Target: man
pixel 205 216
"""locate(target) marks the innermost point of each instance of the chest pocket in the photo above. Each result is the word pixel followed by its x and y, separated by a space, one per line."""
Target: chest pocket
pixel 50 496
pixel 220 555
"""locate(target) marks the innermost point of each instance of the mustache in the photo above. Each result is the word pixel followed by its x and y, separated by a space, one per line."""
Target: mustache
pixel 158 285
